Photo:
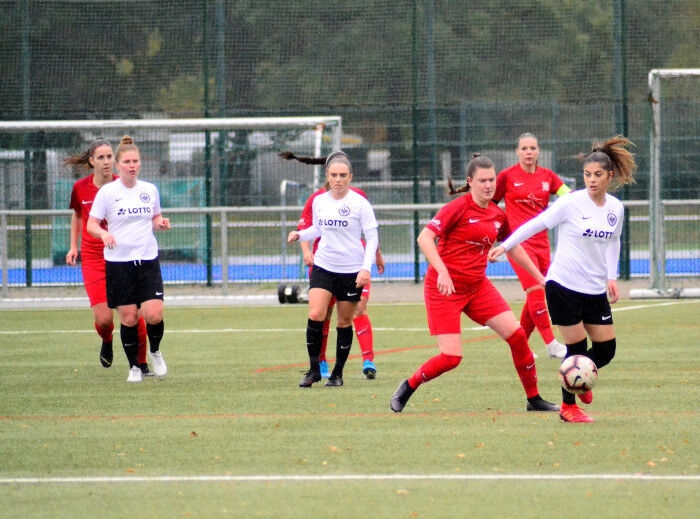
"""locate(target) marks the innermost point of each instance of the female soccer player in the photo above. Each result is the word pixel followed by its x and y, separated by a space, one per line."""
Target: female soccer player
pixel 456 282
pixel 99 158
pixel 131 208
pixel 361 320
pixel 341 264
pixel 525 187
pixel 582 281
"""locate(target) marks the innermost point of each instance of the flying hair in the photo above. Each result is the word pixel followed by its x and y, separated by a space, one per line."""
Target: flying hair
pixel 83 159
pixel 614 156
pixel 336 156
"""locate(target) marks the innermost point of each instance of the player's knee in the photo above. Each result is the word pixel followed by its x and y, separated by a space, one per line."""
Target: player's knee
pixel 451 361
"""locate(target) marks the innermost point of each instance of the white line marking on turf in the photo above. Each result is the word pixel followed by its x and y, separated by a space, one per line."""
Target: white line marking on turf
pixel 348 477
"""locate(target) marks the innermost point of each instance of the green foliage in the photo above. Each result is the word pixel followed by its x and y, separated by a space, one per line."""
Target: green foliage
pixel 230 405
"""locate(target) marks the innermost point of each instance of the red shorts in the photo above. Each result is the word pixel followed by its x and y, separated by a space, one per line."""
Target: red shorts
pixel 94 279
pixel 479 301
pixel 540 257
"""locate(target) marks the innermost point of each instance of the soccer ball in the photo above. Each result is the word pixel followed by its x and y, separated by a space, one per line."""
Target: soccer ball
pixel 578 374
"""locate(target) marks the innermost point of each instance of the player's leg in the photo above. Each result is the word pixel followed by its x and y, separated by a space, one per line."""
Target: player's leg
pixel 320 294
pixel 489 308
pixel 444 321
pixel 346 311
pixel 364 334
pixel 565 309
pixel 150 297
pixel 94 280
pixel 323 361
pixel 143 347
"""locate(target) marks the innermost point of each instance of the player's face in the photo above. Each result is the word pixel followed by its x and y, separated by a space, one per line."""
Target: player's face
pixel 527 151
pixel 338 176
pixel 128 166
pixel 596 178
pixel 483 185
pixel 102 161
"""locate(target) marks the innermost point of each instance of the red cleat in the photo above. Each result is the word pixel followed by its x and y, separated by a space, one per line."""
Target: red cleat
pixel 572 413
pixel 586 397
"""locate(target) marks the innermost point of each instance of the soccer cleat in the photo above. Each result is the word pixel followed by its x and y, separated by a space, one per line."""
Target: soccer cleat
pixel 400 397
pixel 106 354
pixel 159 367
pixel 309 378
pixel 540 404
pixel 335 381
pixel 586 397
pixel 556 350
pixel 572 413
pixel 369 369
pixel 135 375
pixel 323 366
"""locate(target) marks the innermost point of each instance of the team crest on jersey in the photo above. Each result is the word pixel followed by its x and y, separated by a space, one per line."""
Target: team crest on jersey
pixel 344 211
pixel 435 222
pixel 545 186
pixel 497 225
pixel 612 219
pixel 145 198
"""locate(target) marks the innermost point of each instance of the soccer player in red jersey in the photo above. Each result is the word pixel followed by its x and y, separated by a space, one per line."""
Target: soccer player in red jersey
pixel 525 188
pixel 455 282
pixel 99 159
pixel 361 320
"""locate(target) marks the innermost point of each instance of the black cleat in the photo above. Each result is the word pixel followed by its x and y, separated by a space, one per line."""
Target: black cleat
pixel 106 354
pixel 540 404
pixel 309 378
pixel 400 397
pixel 335 381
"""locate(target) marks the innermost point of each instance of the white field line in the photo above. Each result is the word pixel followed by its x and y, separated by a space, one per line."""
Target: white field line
pixel 287 330
pixel 266 478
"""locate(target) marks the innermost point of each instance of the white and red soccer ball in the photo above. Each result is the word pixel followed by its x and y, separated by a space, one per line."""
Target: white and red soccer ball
pixel 578 374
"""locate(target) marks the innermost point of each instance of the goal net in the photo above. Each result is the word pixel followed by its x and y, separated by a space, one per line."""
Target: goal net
pixel 674 95
pixel 196 163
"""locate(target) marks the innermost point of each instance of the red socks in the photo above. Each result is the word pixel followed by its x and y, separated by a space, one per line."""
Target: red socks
pixel 105 332
pixel 537 308
pixel 433 368
pixel 363 331
pixel 143 340
pixel 524 362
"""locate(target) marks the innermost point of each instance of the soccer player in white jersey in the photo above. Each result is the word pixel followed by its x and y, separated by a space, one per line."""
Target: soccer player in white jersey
pixel 341 264
pixel 131 208
pixel 582 281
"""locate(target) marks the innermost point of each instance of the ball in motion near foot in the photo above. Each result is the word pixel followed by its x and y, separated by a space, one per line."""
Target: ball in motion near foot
pixel 578 374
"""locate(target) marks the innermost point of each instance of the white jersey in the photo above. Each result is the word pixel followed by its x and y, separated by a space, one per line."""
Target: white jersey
pixel 129 212
pixel 588 240
pixel 341 223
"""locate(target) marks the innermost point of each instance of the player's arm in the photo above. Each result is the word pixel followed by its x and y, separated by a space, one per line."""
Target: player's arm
pixel 72 255
pixel 426 242
pixel 95 230
pixel 563 190
pixel 379 261
pixel 160 223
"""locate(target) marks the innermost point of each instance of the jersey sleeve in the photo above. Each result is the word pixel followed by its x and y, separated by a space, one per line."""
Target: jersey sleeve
pixel 501 181
pixel 75 200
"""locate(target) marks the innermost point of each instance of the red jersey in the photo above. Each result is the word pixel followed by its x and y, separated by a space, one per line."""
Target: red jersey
pixel 526 195
pixel 466 232
pixel 81 198
pixel 307 213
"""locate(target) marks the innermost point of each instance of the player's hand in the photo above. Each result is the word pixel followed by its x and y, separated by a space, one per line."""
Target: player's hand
pixel 362 278
pixel 108 240
pixel 496 252
pixel 292 237
pixel 163 225
pixel 445 285
pixel 71 257
pixel 379 261
pixel 613 294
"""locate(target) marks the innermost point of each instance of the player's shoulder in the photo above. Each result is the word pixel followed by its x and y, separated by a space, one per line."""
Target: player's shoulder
pixel 509 170
pixel 359 191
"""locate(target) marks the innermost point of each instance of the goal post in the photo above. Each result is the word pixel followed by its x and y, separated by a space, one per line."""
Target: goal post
pixel 657 237
pixel 205 162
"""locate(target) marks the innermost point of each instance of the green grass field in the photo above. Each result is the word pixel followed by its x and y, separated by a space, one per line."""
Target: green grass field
pixel 229 434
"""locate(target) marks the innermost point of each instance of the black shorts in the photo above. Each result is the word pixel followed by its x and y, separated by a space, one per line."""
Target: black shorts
pixel 133 282
pixel 568 307
pixel 342 286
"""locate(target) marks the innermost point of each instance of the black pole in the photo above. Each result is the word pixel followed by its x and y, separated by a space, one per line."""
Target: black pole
pixel 207 144
pixel 621 122
pixel 27 115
